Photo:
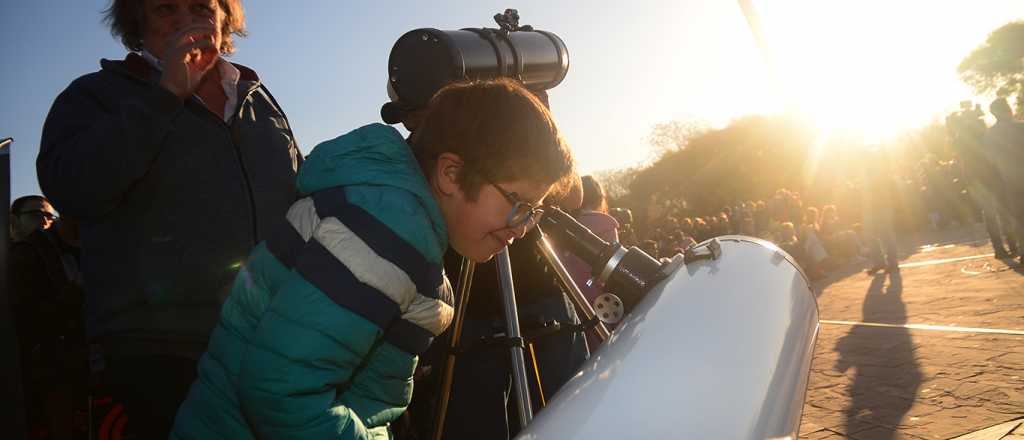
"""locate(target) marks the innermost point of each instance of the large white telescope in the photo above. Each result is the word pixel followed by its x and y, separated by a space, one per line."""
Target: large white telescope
pixel 719 348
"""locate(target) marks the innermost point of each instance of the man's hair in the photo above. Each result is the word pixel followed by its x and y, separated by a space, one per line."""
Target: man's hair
pixel 126 20
pixel 501 131
pixel 19 204
pixel 1000 108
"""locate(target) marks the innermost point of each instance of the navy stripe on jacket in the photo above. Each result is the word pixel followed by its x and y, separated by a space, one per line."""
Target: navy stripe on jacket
pixel 318 266
pixel 332 202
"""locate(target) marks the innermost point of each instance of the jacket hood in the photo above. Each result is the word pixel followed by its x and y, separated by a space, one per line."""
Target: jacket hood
pixel 374 155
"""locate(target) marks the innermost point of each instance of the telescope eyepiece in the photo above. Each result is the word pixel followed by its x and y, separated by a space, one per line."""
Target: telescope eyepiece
pixel 630 273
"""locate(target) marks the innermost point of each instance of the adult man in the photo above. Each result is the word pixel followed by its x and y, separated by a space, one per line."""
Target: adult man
pixel 47 302
pixel 177 163
pixel 984 183
pixel 28 214
pixel 1004 142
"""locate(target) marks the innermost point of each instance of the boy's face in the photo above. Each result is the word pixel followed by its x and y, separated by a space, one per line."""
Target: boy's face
pixel 478 229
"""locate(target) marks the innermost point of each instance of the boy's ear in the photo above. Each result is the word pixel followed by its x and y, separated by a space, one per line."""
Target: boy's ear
pixel 446 173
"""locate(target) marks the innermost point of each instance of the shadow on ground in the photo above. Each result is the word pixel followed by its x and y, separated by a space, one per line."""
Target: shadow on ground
pixel 887 374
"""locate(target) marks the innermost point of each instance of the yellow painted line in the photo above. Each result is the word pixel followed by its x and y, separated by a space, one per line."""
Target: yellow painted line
pixel 942 328
pixel 945 260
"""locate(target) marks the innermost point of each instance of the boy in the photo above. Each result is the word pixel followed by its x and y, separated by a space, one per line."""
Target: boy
pixel 320 335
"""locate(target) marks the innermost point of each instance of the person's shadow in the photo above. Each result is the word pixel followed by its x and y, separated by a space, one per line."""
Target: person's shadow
pixel 888 376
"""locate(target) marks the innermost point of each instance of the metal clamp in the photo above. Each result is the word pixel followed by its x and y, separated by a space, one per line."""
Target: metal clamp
pixel 711 250
pixel 612 263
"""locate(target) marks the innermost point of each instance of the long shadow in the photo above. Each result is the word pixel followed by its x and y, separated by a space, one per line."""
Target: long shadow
pixel 888 376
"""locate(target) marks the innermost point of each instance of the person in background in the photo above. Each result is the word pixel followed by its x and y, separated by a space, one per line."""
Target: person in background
pixel 29 214
pixel 879 211
pixel 1004 143
pixel 47 298
pixel 983 180
pixel 176 163
pixel 593 214
pixel 650 247
pixel 627 235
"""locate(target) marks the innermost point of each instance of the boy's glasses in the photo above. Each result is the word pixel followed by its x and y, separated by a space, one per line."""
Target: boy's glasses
pixel 523 213
pixel 39 213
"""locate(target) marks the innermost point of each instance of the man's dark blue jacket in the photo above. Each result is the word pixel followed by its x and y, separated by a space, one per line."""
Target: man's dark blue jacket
pixel 171 199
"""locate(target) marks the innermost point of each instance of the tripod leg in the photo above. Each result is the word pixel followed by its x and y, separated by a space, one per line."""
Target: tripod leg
pixel 536 373
pixel 465 282
pixel 512 331
pixel 570 287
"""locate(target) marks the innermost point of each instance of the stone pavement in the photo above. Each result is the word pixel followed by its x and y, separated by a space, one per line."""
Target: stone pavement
pixel 895 382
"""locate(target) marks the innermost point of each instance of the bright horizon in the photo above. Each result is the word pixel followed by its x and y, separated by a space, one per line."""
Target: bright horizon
pixel 880 67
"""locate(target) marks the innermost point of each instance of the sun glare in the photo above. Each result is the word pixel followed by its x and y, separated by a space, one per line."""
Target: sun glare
pixel 877 67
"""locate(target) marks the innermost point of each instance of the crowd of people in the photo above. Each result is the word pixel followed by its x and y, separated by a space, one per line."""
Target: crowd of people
pixel 818 238
pixel 977 183
pixel 210 281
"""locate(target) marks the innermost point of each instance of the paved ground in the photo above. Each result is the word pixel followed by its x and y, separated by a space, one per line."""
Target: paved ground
pixel 901 381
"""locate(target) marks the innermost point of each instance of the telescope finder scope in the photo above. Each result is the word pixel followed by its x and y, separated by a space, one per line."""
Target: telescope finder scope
pixel 424 60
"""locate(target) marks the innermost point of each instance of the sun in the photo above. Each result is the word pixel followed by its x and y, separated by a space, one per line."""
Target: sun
pixel 869 66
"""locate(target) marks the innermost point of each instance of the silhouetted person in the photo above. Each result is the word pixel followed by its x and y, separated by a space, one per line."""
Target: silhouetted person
pixel 47 299
pixel 983 180
pixel 1004 141
pixel 879 207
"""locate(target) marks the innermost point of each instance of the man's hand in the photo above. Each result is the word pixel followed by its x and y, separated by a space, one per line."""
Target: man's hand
pixel 189 56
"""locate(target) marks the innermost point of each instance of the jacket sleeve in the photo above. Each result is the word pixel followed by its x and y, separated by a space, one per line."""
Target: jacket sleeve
pixel 94 149
pixel 304 348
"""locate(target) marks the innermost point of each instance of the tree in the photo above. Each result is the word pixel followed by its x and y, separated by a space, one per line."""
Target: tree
pixel 997 65
pixel 671 136
pixel 616 182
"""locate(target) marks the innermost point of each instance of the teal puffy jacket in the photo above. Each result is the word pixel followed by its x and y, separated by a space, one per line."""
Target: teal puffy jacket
pixel 320 335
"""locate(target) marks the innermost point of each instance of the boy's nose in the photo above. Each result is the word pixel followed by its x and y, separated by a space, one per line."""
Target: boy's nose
pixel 517 232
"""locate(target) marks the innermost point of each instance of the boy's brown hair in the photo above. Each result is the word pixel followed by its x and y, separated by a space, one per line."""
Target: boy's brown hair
pixel 501 131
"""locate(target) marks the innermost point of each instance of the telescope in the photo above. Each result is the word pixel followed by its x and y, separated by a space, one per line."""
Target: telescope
pixel 424 60
pixel 718 344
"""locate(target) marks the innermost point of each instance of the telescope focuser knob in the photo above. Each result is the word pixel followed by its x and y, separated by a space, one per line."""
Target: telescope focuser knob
pixel 609 308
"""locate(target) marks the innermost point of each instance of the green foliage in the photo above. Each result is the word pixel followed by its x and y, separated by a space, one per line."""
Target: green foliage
pixel 754 156
pixel 997 65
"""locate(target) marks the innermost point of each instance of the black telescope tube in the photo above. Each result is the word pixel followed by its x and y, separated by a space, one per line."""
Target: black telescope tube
pixel 576 238
pixel 633 272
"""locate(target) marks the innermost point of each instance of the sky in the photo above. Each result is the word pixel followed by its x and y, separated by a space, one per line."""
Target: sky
pixel 879 66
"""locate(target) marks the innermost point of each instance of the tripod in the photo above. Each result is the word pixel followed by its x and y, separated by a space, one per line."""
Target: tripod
pixel 513 333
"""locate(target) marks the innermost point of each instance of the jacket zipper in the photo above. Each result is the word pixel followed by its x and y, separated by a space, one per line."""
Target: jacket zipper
pixel 235 135
pixel 248 185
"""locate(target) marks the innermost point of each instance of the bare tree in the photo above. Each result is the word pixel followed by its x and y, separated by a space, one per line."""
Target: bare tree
pixel 672 136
